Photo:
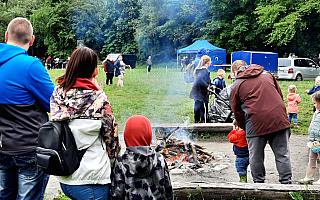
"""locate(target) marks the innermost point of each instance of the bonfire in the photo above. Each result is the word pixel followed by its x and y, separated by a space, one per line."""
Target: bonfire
pixel 179 150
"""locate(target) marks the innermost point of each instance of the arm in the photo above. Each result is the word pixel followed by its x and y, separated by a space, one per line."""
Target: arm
pixel 235 136
pixel 117 187
pixel 314 89
pixel 236 108
pixel 203 79
pixel 277 86
pixel 40 84
pixel 167 182
pixel 298 99
pixel 109 131
pixel 215 82
pixel 105 66
pixel 117 64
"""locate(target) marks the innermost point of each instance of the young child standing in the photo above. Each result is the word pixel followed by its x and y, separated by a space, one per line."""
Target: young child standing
pixel 240 147
pixel 219 82
pixel 293 100
pixel 141 172
pixel 313 137
pixel 120 80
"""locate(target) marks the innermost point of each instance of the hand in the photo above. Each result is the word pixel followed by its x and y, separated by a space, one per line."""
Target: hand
pixel 306 91
pixel 95 82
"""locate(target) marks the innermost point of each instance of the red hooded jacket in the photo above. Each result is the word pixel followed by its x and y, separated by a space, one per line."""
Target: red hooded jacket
pixel 293 99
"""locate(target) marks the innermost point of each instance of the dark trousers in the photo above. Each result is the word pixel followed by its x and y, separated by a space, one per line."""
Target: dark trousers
pixel 200 111
pixel 149 68
pixel 109 78
pixel 279 143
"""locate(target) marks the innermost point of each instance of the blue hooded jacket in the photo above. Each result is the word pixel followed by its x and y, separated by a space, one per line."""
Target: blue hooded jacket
pixel 25 91
pixel 201 52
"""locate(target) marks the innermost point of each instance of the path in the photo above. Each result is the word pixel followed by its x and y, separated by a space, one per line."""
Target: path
pixel 223 169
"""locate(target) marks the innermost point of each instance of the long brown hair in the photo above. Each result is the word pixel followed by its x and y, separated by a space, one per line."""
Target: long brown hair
pixel 82 63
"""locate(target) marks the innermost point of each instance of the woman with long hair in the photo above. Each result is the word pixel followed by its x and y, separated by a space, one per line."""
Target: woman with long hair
pixel 79 98
pixel 199 91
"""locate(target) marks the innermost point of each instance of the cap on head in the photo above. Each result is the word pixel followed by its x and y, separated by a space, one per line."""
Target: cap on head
pixel 202 51
pixel 138 131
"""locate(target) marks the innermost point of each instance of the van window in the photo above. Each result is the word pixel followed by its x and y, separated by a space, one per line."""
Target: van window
pixel 310 63
pixel 300 63
pixel 284 62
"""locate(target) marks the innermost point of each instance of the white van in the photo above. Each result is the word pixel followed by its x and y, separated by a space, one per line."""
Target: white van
pixel 297 69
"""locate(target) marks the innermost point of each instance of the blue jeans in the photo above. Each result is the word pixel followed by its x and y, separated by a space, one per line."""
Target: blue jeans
pixel 86 192
pixel 21 178
pixel 242 164
pixel 294 116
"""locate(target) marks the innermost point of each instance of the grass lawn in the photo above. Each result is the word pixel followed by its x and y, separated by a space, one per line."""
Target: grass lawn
pixel 163 96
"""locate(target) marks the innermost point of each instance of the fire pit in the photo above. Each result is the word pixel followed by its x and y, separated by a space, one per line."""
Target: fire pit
pixel 180 150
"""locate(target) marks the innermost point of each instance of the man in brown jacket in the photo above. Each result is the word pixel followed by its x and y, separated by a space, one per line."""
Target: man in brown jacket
pixel 258 107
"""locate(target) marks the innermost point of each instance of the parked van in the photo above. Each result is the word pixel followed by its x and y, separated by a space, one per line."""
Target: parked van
pixel 297 69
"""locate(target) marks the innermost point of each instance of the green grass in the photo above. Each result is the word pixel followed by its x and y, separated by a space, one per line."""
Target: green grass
pixel 163 96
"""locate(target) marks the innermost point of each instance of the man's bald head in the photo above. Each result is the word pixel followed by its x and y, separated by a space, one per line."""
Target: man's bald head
pixel 19 31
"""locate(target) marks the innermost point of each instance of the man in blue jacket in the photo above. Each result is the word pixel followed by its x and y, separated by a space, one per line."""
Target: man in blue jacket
pixel 201 52
pixel 24 102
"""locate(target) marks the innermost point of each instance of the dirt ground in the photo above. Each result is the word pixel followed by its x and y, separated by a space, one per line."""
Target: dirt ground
pixel 222 169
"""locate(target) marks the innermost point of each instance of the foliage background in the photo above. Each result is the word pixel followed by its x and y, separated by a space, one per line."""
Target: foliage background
pixel 160 27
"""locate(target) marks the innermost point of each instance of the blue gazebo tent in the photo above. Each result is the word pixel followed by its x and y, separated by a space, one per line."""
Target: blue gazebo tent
pixel 217 54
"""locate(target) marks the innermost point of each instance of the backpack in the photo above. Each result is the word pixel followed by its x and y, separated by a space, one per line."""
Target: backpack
pixel 57 152
pixel 188 75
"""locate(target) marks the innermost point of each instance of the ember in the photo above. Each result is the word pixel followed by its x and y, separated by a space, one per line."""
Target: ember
pixel 178 151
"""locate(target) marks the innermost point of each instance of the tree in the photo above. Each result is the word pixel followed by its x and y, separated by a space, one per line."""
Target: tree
pixel 120 26
pixel 291 23
pixel 51 23
pixel 85 21
pixel 166 25
pixel 233 25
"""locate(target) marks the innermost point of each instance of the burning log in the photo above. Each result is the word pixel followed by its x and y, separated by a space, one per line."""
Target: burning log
pixel 164 151
pixel 204 152
pixel 194 154
pixel 178 152
pixel 199 146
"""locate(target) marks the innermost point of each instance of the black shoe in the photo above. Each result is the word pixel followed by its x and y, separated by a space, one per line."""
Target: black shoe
pixel 286 182
pixel 258 181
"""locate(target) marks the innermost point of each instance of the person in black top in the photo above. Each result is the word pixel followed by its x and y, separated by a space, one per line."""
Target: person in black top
pixel 108 66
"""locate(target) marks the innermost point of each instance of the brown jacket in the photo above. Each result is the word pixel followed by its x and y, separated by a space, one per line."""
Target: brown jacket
pixel 257 102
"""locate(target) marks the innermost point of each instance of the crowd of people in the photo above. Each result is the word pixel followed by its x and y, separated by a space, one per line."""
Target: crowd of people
pixel 30 94
pixel 260 117
pixel 140 173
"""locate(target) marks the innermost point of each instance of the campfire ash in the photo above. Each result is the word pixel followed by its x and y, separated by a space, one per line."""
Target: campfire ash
pixel 179 150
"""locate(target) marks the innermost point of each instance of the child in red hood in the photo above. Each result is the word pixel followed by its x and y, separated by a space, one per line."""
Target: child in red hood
pixel 141 172
pixel 292 100
pixel 240 147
